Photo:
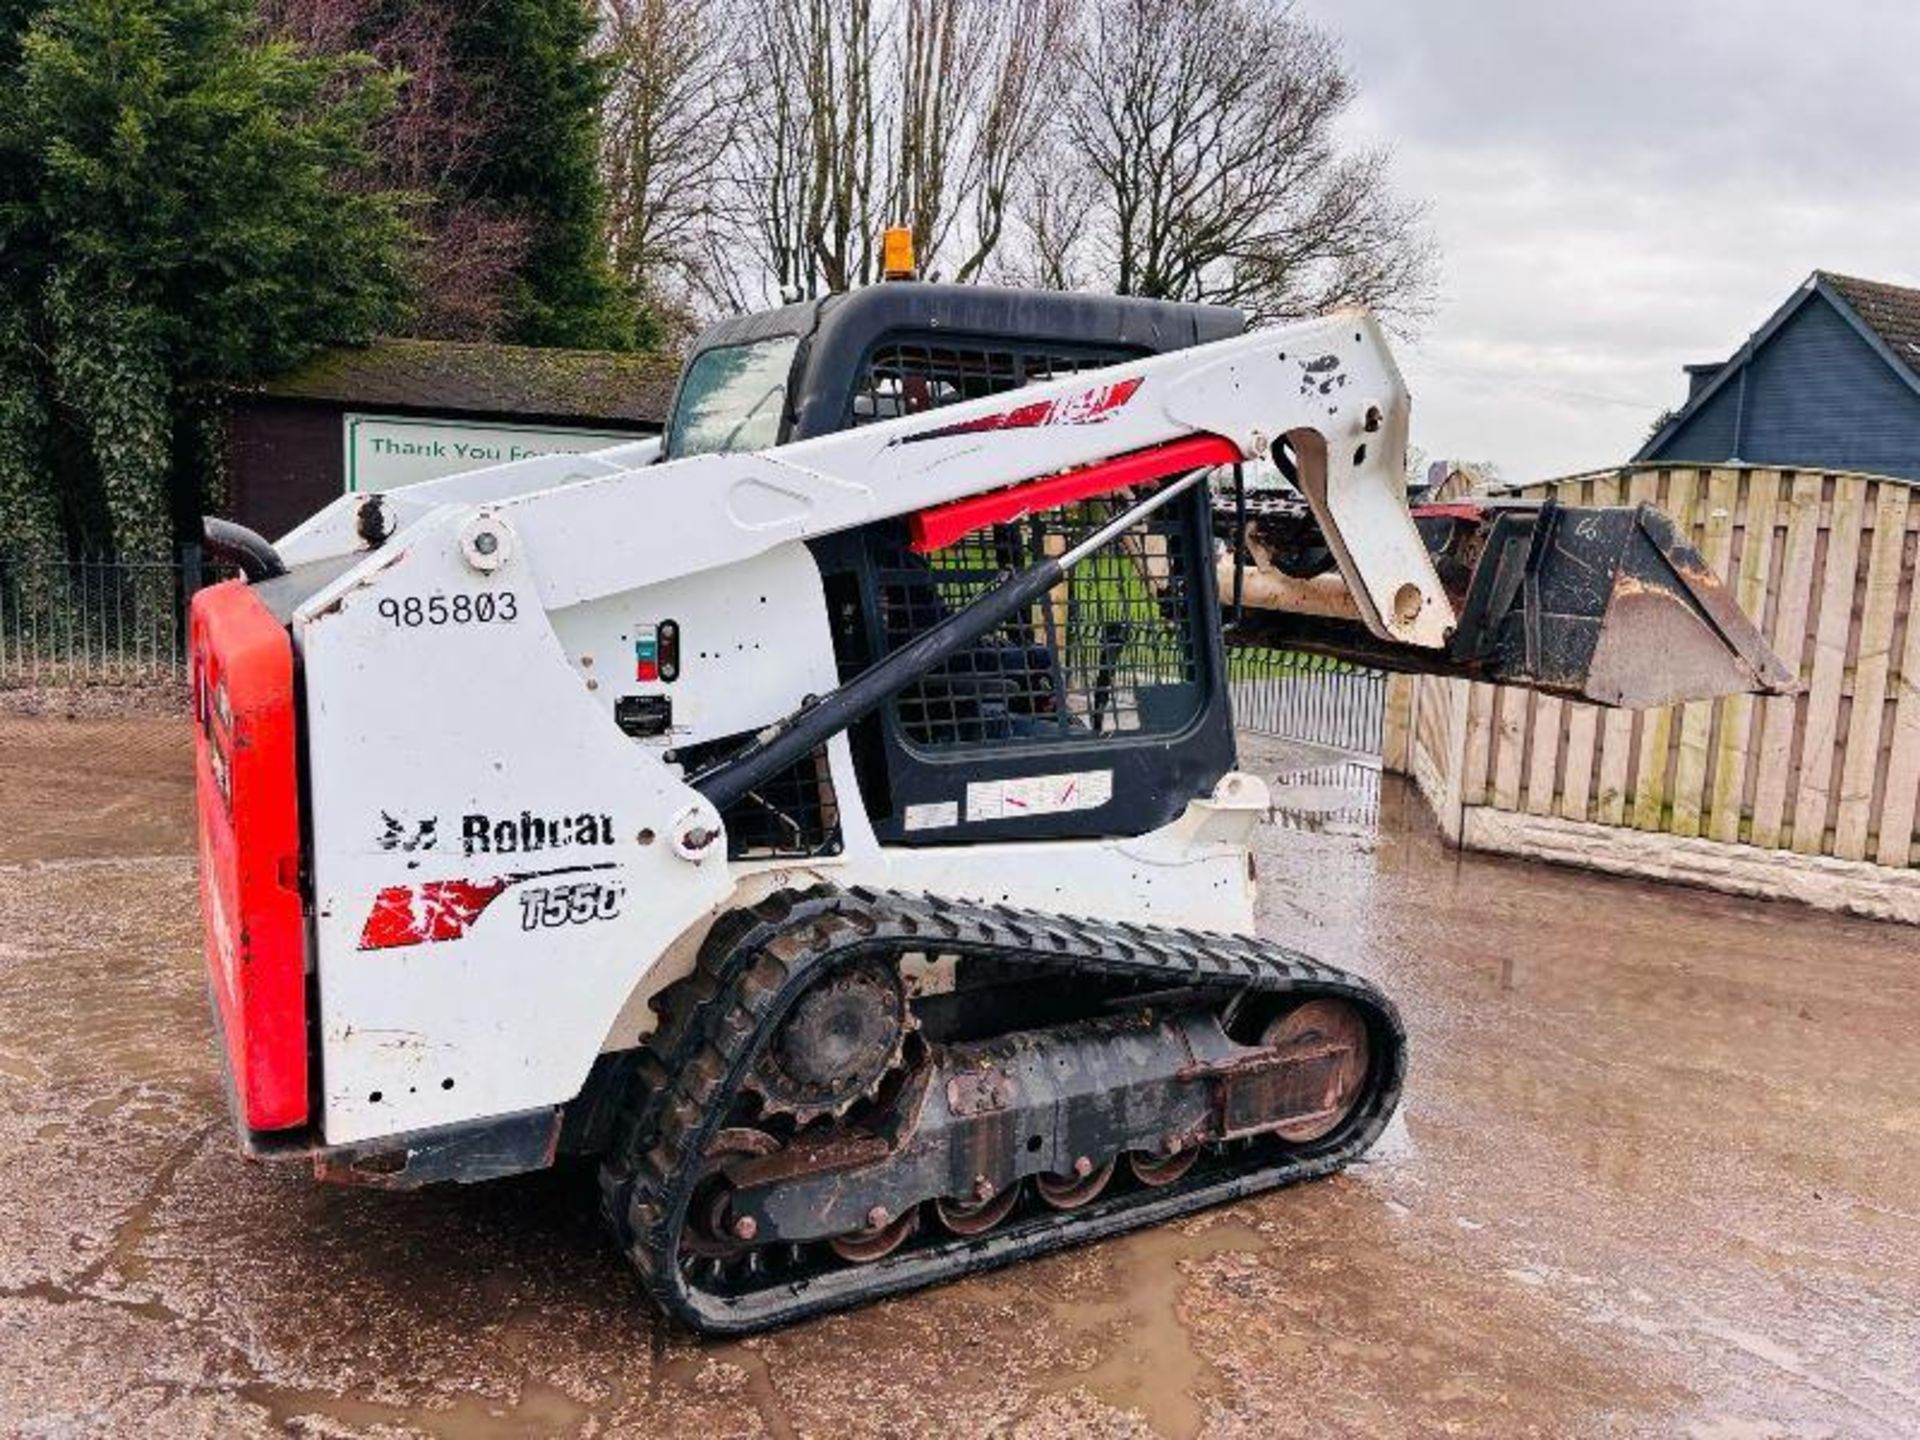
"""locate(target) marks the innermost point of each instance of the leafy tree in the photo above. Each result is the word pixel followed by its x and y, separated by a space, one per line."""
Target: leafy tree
pixel 29 514
pixel 467 249
pixel 529 65
pixel 495 134
pixel 174 215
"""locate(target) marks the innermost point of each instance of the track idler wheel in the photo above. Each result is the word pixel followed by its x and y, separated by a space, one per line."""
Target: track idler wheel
pixel 1154 1171
pixel 1070 1192
pixel 1333 1033
pixel 976 1217
pixel 881 1237
pixel 709 1233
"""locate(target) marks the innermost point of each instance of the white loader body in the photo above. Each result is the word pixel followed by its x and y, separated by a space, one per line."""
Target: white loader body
pixel 501 877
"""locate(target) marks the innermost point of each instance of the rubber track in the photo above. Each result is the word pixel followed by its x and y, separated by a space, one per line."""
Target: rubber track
pixel 756 960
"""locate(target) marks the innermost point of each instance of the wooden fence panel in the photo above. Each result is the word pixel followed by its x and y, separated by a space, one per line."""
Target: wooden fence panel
pixel 1543 755
pixel 1833 623
pixel 1477 757
pixel 1901 791
pixel 1873 658
pixel 1750 575
pixel 1790 641
pixel 1510 727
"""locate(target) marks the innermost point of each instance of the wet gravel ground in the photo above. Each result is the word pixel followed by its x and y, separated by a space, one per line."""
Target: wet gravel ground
pixel 1659 1174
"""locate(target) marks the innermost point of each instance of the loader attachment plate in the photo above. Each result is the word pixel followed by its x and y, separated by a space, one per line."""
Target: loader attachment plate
pixel 1606 604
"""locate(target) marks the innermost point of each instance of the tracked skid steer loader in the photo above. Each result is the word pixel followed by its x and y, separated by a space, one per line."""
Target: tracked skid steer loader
pixel 828 816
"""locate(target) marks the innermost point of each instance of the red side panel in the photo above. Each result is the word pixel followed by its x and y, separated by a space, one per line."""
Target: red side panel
pixel 250 849
pixel 939 527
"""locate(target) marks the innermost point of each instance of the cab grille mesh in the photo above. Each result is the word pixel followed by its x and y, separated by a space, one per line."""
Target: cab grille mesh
pixel 1111 649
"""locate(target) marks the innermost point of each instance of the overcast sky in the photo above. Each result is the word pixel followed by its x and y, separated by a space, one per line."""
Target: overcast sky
pixel 1623 186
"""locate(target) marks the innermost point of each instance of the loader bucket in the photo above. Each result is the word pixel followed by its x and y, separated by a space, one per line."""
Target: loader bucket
pixel 1610 605
pixel 1604 604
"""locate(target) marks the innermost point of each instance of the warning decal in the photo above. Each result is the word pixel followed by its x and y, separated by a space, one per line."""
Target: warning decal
pixel 1038 795
pixel 937 815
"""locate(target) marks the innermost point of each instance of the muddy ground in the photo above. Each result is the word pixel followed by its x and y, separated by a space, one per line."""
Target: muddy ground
pixel 1659 1175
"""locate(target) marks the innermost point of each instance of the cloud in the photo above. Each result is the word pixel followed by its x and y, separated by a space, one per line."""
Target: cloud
pixel 1621 188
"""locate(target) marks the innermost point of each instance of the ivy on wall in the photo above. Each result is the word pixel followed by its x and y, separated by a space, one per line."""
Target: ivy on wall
pixel 110 377
pixel 29 518
pixel 184 208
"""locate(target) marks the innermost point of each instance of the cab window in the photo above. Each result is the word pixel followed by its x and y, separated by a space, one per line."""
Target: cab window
pixel 733 398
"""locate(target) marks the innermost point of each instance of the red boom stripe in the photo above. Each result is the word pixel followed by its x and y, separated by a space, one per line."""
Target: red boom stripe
pixel 939 527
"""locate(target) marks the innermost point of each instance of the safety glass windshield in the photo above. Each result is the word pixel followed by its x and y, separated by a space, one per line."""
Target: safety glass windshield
pixel 732 398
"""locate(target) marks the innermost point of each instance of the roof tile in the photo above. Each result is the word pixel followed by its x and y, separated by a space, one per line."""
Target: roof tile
pixel 435 375
pixel 1891 311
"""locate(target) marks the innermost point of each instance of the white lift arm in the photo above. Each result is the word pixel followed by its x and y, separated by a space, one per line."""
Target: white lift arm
pixel 606 521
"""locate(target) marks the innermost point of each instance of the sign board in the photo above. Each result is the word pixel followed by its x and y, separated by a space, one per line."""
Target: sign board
pixel 385 452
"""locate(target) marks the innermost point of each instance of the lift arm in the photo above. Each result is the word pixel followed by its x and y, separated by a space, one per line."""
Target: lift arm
pixel 1329 387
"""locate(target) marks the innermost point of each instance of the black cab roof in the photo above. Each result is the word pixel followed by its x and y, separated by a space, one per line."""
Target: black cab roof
pixel 838 331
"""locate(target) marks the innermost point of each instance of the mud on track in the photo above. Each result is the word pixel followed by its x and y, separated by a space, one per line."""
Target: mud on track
pixel 1659 1174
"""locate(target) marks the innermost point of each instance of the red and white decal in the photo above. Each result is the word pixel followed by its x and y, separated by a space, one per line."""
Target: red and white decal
pixel 1089 407
pixel 437 910
pixel 432 911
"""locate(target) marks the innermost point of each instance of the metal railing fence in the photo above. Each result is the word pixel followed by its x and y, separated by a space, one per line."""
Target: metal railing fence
pixel 82 622
pixel 1308 698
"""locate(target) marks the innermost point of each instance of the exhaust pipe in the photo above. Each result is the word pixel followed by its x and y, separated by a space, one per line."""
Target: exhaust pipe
pixel 237 545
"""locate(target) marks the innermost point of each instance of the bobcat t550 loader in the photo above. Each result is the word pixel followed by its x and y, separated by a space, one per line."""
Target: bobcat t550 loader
pixel 832 823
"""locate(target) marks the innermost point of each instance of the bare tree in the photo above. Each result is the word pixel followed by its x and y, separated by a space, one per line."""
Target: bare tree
pixel 1014 109
pixel 671 119
pixel 939 57
pixel 859 114
pixel 1183 149
pixel 1056 213
pixel 1207 128
pixel 806 168
pixel 974 101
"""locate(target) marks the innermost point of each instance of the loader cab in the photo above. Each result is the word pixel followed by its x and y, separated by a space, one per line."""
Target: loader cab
pixel 822 366
pixel 1104 711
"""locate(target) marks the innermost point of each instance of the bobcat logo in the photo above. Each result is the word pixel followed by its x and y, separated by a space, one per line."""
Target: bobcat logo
pixel 1323 374
pixel 397 835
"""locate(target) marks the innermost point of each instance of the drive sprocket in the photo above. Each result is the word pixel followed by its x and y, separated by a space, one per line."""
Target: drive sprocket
pixel 838 1041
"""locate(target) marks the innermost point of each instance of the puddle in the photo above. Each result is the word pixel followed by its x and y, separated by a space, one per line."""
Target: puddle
pixel 540 1410
pixel 735 1367
pixel 1147 1361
